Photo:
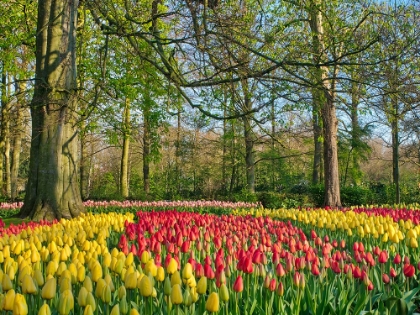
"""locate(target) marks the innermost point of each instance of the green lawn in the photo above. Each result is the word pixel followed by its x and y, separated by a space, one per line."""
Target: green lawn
pixel 15 221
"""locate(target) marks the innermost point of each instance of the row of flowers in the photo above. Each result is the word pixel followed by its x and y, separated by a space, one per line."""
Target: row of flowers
pixel 181 262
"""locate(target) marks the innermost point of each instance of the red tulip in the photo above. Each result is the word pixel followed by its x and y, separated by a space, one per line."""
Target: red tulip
pixel 280 289
pixel 376 251
pixel 296 279
pixel 315 270
pixel 273 284
pixel 409 270
pixel 257 257
pixel 392 272
pixel 280 272
pixel 238 286
pixel 385 278
pixel 185 247
pixel 383 257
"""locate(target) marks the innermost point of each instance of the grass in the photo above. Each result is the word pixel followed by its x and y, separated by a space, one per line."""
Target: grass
pixel 14 221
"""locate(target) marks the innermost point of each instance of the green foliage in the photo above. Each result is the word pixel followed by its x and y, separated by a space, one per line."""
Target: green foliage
pixel 245 195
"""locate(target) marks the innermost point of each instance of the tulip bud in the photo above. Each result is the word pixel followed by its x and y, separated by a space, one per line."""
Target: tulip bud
pixel 130 281
pixel 238 286
pixel 9 300
pixel 160 274
pixel 81 298
pixel 39 277
pixel 97 272
pixel 115 310
pixel 385 278
pixel 175 278
pixel 146 288
pixel 172 266
pixel 87 283
pixel 90 301
pixel 224 293
pixel 187 299
pixel 19 305
pixel 6 283
pixel 187 271
pixel 65 302
pixel 88 310
pixel 28 285
pixel 167 288
pixel 81 273
pixel 49 290
pixel 212 304
pixel 44 310
pixel 123 305
pixel 176 294
pixel 145 256
pixel 133 311
pixel 121 292
pixel 202 285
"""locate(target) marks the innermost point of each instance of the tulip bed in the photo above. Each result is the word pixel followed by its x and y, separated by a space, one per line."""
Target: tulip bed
pixel 252 261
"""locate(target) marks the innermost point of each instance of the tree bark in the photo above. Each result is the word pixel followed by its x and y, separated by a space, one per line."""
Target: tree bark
pixel 17 141
pixel 317 130
pixel 395 157
pixel 249 140
pixel 125 150
pixel 4 110
pixel 326 92
pixel 146 149
pixel 52 190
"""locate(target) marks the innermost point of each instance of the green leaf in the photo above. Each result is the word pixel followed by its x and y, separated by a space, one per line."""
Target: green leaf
pixel 254 304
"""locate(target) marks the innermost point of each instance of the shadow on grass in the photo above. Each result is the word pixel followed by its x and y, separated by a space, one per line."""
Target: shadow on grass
pixel 14 221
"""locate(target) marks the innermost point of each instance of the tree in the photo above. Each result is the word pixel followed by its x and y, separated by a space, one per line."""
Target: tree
pixel 52 190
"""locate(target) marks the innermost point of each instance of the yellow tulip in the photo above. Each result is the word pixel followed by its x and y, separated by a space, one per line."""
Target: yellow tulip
pixel 39 277
pixel 176 278
pixel 212 304
pixel 224 293
pixel 130 281
pixel 6 283
pixel 65 302
pixel 187 272
pixel 28 285
pixel 115 310
pixel 44 310
pixel 49 290
pixel 176 294
pixel 96 272
pixel 9 300
pixel 129 260
pixel 81 273
pixel 65 284
pixel 146 288
pixel 90 301
pixel 172 266
pixel 106 294
pixel 87 283
pixel 19 305
pixel 160 274
pixel 202 285
pixel 123 305
pixel 187 298
pixel 145 256
pixel 167 288
pixel 88 310
pixel 81 298
pixel 122 292
pixel 133 311
pixel 413 242
pixel 109 282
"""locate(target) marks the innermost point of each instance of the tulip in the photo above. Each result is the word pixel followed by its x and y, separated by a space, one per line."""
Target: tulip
pixel 90 301
pixel 409 270
pixel 187 271
pixel 397 259
pixel 385 278
pixel 44 310
pixel 9 300
pixel 273 284
pixel 167 288
pixel 160 274
pixel 146 288
pixel 87 283
pixel 392 272
pixel 49 290
pixel 133 311
pixel 6 283
pixel 123 305
pixel 28 285
pixel 176 294
pixel 172 266
pixel 115 310
pixel 19 305
pixel 65 302
pixel 280 289
pixel 238 286
pixel 383 257
pixel 212 304
pixel 130 281
pixel 176 278
pixel 88 310
pixel 224 293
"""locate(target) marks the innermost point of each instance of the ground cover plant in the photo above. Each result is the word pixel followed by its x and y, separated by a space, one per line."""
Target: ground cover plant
pixel 250 261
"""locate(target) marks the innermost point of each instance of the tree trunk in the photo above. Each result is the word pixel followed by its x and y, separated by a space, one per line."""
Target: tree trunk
pixel 326 92
pixel 52 190
pixel 331 180
pixel 395 159
pixel 355 135
pixel 146 149
pixel 317 130
pixel 249 140
pixel 125 150
pixel 4 105
pixel 17 141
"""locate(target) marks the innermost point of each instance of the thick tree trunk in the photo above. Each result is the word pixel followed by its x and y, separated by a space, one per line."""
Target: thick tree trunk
pixel 332 179
pixel 326 92
pixel 125 150
pixel 355 135
pixel 52 190
pixel 4 110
